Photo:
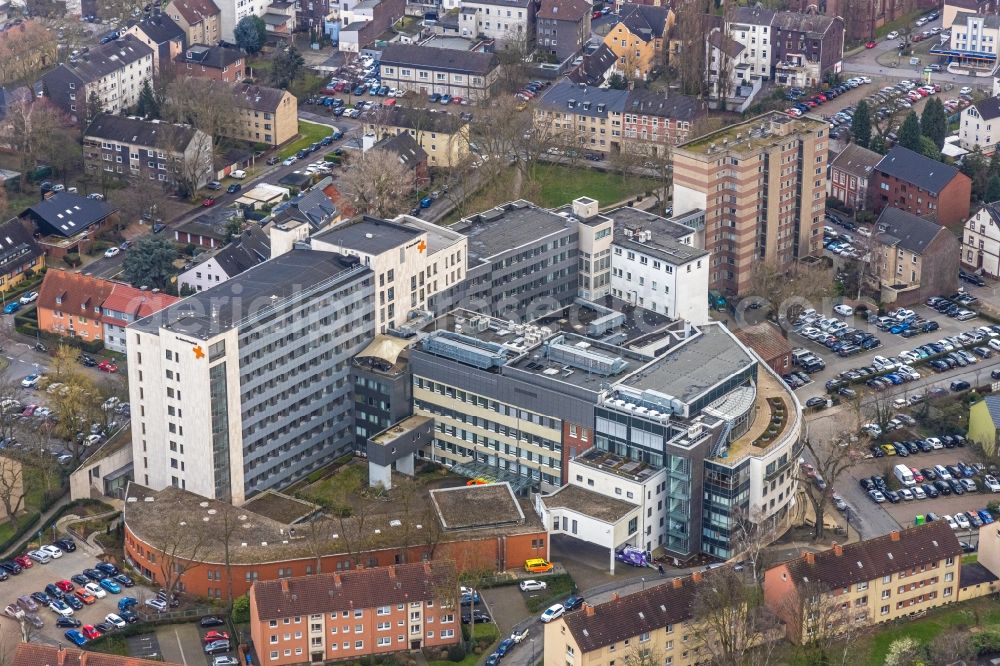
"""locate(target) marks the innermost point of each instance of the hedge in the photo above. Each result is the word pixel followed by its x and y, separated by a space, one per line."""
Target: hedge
pixel 28 526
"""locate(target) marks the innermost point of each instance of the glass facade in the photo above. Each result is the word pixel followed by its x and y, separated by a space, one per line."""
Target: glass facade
pixel 726 492
pixel 220 430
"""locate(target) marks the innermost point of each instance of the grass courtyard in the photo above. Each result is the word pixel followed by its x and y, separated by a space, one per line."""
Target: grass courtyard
pixel 309 133
pixel 559 185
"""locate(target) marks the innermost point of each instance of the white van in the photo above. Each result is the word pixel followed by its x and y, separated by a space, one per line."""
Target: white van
pixel 904 475
pixel 239 174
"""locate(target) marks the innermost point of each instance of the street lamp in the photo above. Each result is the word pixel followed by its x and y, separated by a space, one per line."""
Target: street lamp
pixel 532 652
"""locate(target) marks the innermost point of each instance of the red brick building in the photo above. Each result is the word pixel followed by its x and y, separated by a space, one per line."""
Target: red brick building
pixel 473 526
pixel 37 654
pixel 850 175
pixel 654 119
pixel 772 347
pixel 352 614
pixel 221 63
pixel 919 185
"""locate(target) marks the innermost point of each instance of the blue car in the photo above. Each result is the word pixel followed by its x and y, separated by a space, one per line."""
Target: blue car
pixel 426 202
pixel 435 97
pixel 985 516
pixel 127 602
pixel 506 645
pixel 75 637
pixel 899 328
pixel 72 601
pixel 110 585
pixel 446 99
pixel 493 659
pixel 12 307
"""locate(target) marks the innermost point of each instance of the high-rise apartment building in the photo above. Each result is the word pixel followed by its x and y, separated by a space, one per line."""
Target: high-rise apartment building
pixel 762 185
pixel 246 386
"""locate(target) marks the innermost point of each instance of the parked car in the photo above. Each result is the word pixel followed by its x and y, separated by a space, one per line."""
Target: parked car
pixel 551 613
pixel 532 585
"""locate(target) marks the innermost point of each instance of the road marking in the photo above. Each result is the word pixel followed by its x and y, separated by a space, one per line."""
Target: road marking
pixel 180 647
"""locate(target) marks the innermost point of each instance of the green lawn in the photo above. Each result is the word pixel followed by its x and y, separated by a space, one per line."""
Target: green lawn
pixel 335 486
pixel 309 133
pixel 34 496
pixel 470 660
pixel 559 185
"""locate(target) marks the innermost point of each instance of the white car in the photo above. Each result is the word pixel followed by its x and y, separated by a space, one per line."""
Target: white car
pixel 872 429
pixel 54 552
pixel 29 297
pixel 991 483
pixel 158 604
pixel 91 440
pixel 31 381
pixel 966 90
pixel 555 611
pixel 845 310
pixel 115 620
pixel 899 403
pixel 112 252
pixel 905 494
pixel 962 521
pixel 951 521
pixel 918 492
pixel 892 35
pixel 60 608
pixel 289 161
pixel 96 590
pixel 532 585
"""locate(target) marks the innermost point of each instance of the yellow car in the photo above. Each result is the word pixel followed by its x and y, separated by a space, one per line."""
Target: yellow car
pixel 537 565
pixel 889 449
pixel 521 106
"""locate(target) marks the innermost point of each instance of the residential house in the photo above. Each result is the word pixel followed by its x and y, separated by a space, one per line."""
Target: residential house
pixel 443 136
pixel 981 241
pixel 562 27
pixel 313 207
pixel 178 156
pixel 638 39
pixel 509 22
pixel 199 19
pixel 769 344
pixel 863 19
pixel 913 258
pixel 355 614
pixel 19 253
pixel 984 420
pixel 661 623
pixel 231 12
pixel 410 155
pixel 250 248
pixel 853 586
pixel 596 66
pixel 771 214
pixel 38 654
pixel 264 115
pixel 220 63
pixel 366 21
pixel 952 8
pixel 161 34
pixel 66 222
pixel 427 70
pixel 728 74
pixel 279 19
pixel 979 126
pixel 974 41
pixel 806 48
pixel 69 304
pixel 115 72
pixel 917 184
pixel 850 175
pixel 124 305
pixel 654 121
pixel 312 15
pixel 580 116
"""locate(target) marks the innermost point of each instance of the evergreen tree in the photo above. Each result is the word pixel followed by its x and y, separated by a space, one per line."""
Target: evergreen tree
pixel 993 189
pixel 148 105
pixel 94 106
pixel 928 149
pixel 909 133
pixel 250 34
pixel 933 122
pixel 994 167
pixel 975 167
pixel 878 144
pixel 861 125
pixel 285 67
pixel 617 82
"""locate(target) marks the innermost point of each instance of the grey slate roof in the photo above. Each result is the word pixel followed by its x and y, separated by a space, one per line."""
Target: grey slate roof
pixel 135 132
pixel 989 108
pixel 989 21
pixel 644 21
pixel 67 214
pixel 195 11
pixel 312 207
pixel 259 98
pixel 216 57
pixel 586 100
pixel 594 67
pixel 564 10
pixel 993 407
pixel 914 168
pixel 369 235
pixel 650 103
pixel 106 58
pixel 17 246
pixel 813 25
pixel 856 160
pixel 897 228
pixel 725 43
pixel 427 120
pixel 160 28
pixel 251 248
pixel 405 147
pixel 443 60
pixel 753 15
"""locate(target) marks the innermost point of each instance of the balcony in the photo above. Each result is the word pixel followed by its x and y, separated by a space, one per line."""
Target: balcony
pixel 775 419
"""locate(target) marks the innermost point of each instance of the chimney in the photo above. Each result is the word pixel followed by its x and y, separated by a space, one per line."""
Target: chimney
pixel 678 583
pixel 284 585
pixel 894 535
pixel 62 656
pixel 838 550
pixel 615 597
pixel 392 573
pixel 83 658
pixel 810 557
pixel 696 576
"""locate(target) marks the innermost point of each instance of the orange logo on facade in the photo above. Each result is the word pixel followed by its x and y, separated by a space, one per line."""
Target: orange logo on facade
pixel 421 246
pixel 198 352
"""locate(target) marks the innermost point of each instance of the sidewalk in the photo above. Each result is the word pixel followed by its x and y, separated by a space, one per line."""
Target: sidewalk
pixel 61 502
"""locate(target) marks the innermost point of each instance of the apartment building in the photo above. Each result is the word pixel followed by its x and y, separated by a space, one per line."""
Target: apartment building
pixel 250 248
pixel 443 136
pixel 244 386
pixel 637 40
pixel 655 265
pixel 582 117
pixel 507 21
pixel 264 115
pixel 38 654
pixel 115 72
pixel 653 122
pixel 178 156
pixel 124 305
pixel 412 261
pixel 20 255
pixel 427 70
pixel 979 126
pixel 974 41
pixel 231 12
pixel 888 578
pixel 981 241
pixel 917 184
pixel 199 19
pixel 913 258
pixel 354 614
pixel 220 63
pixel 806 47
pixel 563 27
pixel 160 33
pixel 762 185
pixel 850 176
pixel 363 22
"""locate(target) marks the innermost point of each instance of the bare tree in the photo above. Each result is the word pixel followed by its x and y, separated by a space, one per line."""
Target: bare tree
pixel 823 624
pixel 11 488
pixel 790 291
pixel 36 131
pixel 222 527
pixel 831 460
pixel 735 629
pixel 378 183
pixel 26 50
pixel 183 540
pixel 879 410
pixel 202 103
pixel 189 154
pixel 690 29
pixel 752 534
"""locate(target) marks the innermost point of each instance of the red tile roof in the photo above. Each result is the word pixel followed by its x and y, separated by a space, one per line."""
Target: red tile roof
pixel 34 654
pixel 362 588
pixel 765 339
pixel 340 201
pixel 195 11
pixel 138 303
pixel 73 293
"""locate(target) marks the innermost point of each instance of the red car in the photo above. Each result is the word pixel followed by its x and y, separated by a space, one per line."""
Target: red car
pixel 870 45
pixel 597 14
pixel 340 87
pixel 208 203
pixel 89 632
pixel 820 97
pixel 215 636
pixel 107 366
pixel 65 585
pixel 456 100
pixel 24 561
